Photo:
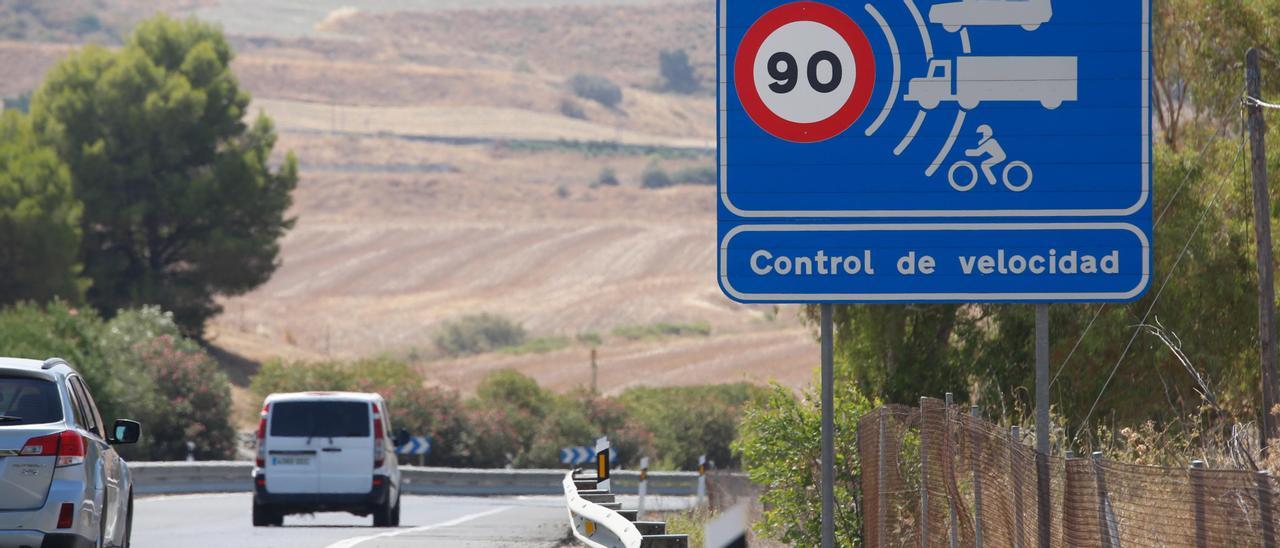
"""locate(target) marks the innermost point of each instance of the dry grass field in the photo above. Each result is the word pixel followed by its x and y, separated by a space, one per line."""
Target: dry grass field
pixel 441 176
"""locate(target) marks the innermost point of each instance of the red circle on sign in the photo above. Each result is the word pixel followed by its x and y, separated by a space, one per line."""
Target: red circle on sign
pixel 749 48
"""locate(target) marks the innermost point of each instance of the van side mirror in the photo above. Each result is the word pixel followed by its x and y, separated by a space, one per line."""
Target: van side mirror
pixel 125 432
pixel 402 437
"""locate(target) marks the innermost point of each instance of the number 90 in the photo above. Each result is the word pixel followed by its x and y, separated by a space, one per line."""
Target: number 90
pixel 782 68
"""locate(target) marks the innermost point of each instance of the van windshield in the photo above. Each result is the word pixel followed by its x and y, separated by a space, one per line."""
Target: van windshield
pixel 28 401
pixel 320 419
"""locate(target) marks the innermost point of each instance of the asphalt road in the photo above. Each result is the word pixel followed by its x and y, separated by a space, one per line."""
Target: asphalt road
pixel 223 520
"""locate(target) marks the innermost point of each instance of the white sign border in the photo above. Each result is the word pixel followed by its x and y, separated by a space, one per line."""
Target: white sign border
pixel 933 297
pixel 1143 197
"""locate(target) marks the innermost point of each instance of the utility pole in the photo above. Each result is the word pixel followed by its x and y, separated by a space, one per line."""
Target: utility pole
pixel 595 370
pixel 1262 231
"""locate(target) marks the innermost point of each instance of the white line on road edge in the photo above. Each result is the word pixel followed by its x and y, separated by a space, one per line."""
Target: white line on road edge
pixel 353 542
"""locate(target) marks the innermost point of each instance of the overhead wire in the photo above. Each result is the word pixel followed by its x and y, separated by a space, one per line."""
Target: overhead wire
pixel 1169 203
pixel 1168 277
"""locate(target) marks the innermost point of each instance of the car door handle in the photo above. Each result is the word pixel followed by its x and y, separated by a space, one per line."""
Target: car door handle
pixel 332 449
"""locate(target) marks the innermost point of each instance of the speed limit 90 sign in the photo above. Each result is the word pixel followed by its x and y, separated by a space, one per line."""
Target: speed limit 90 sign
pixel 804 72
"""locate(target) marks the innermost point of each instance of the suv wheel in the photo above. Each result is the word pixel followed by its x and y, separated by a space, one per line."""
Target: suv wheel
pixel 264 517
pixel 128 523
pixel 383 514
pixel 395 513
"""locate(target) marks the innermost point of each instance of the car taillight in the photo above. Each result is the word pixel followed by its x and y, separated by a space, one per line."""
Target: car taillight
pixel 379 449
pixel 67 446
pixel 261 459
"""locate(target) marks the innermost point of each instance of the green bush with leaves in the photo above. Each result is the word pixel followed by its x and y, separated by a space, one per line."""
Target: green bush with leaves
pixel 677 73
pixel 607 177
pixel 596 88
pixel 654 177
pixel 691 421
pixel 28 330
pixel 780 448
pixel 138 366
pixel 478 333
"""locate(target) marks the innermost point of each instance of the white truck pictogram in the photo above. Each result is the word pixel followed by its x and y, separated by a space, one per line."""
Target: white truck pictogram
pixel 1050 81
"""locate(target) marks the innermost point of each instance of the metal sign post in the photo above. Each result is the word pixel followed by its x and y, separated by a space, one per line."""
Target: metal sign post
pixel 828 428
pixel 1042 425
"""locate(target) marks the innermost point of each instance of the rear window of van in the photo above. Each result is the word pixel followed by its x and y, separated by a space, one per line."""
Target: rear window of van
pixel 320 419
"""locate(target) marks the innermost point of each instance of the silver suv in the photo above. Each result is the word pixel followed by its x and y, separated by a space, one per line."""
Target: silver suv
pixel 62 484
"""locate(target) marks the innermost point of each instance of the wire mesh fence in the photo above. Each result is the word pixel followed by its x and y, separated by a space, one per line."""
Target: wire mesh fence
pixel 937 475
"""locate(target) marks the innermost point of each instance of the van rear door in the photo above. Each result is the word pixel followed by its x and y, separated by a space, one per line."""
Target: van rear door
pixel 291 463
pixel 30 417
pixel 346 451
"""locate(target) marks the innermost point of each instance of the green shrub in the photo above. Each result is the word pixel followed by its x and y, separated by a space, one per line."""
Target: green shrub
pixel 655 177
pixel 578 419
pixel 677 74
pixel 138 367
pixel 59 330
pixel 703 175
pixel 596 88
pixel 540 345
pixel 507 409
pixel 607 177
pixel 477 334
pixel 690 421
pixel 185 397
pixel 572 109
pixel 780 447
pixel 662 330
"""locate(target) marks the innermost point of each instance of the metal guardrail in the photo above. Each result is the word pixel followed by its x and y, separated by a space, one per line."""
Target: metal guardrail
pixel 595 525
pixel 173 478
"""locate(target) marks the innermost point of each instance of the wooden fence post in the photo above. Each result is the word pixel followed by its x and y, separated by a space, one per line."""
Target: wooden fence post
pixel 977 482
pixel 1106 520
pixel 953 530
pixel 1265 511
pixel 1197 487
pixel 882 514
pixel 924 479
pixel 1016 471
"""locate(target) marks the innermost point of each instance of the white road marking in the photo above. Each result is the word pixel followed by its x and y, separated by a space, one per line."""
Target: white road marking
pixel 352 542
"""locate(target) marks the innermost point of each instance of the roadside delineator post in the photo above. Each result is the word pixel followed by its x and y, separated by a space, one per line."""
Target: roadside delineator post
pixel 702 480
pixel 644 486
pixel 602 463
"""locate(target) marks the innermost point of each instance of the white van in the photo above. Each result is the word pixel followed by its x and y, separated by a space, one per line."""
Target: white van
pixel 326 452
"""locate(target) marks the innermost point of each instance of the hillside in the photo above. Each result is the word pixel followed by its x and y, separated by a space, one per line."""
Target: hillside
pixel 447 168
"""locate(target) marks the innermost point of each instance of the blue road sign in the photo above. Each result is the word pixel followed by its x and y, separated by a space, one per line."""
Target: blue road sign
pixel 583 455
pixel 418 445
pixel 948 151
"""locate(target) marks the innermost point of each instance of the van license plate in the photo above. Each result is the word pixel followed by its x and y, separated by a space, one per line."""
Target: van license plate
pixel 291 461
